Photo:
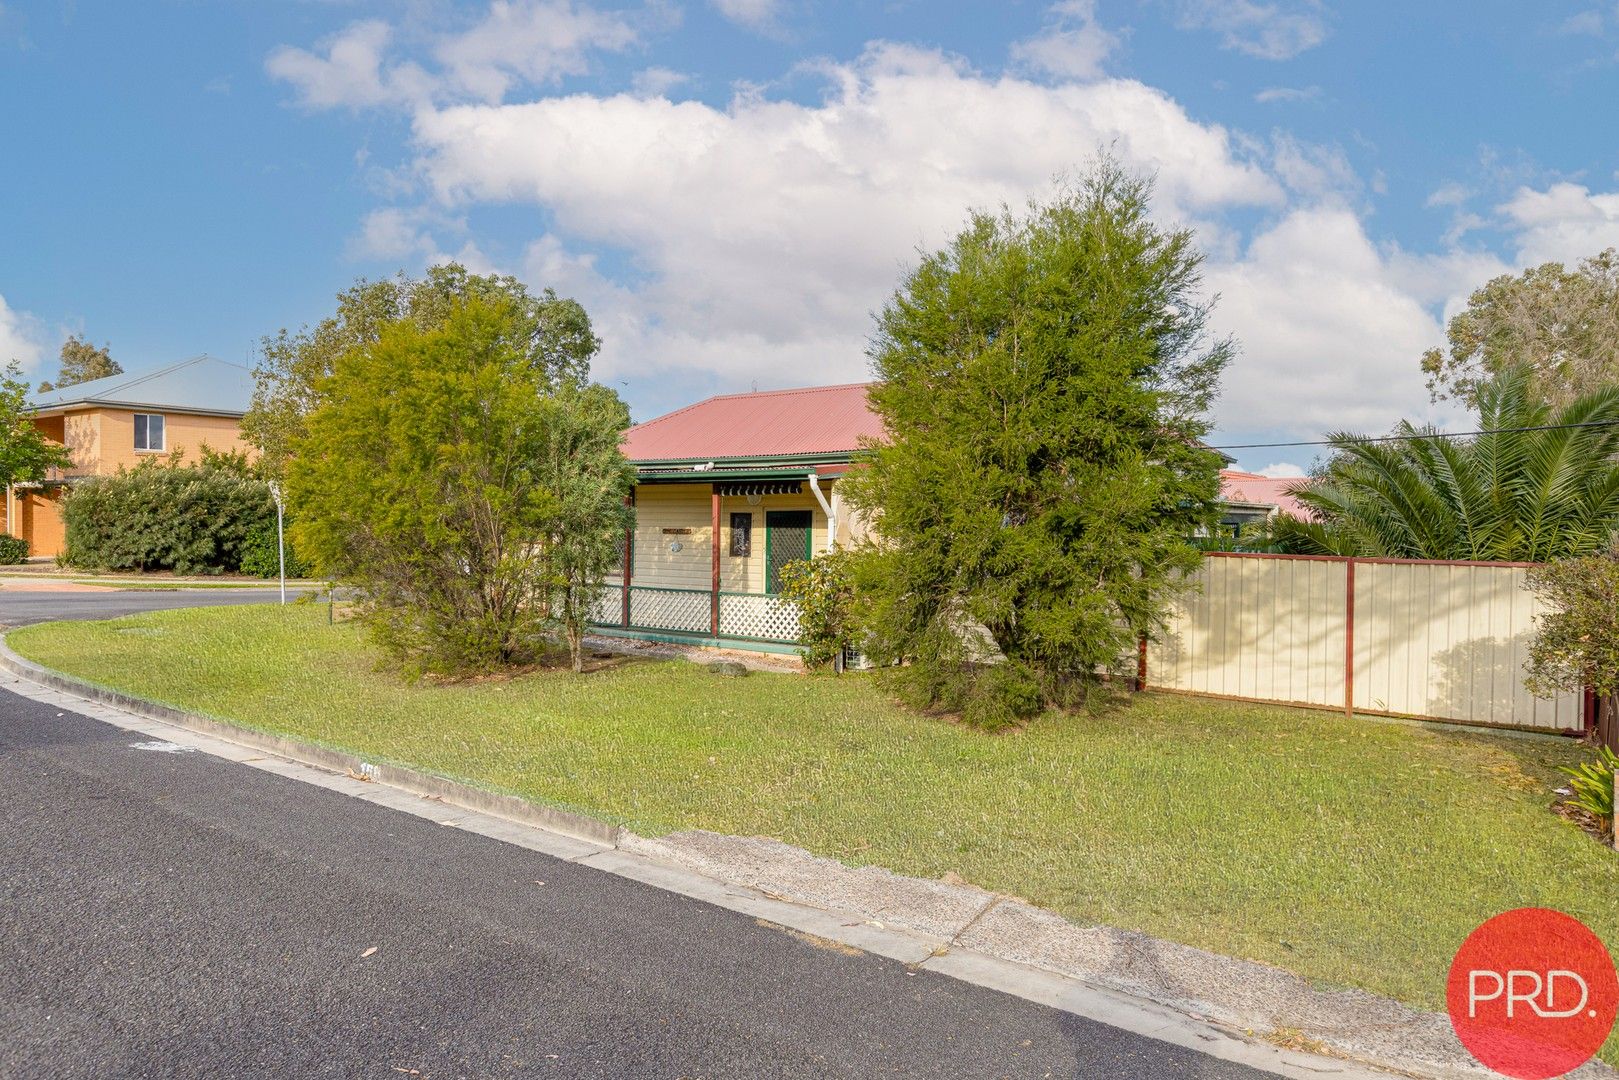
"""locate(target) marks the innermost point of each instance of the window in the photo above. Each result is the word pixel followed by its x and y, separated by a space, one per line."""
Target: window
pixel 742 534
pixel 148 431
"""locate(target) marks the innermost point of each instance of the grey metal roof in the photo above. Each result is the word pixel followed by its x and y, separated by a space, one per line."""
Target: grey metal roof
pixel 202 384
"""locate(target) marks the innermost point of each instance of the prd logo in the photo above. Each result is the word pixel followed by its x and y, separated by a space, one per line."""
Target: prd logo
pixel 1532 993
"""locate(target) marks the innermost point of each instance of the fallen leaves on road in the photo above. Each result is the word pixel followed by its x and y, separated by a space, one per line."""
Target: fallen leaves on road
pixel 368 952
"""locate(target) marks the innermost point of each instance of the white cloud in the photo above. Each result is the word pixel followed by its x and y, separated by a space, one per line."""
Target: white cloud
pixel 1564 223
pixel 1287 94
pixel 754 14
pixel 657 81
pixel 764 234
pixel 1314 169
pixel 718 246
pixel 392 234
pixel 20 335
pixel 1072 45
pixel 1585 23
pixel 1282 470
pixel 532 42
pixel 1277 30
pixel 518 42
pixel 351 73
pixel 1330 334
pixel 1449 193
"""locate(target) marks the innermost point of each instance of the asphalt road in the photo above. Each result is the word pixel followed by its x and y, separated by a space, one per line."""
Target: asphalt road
pixel 19 607
pixel 175 914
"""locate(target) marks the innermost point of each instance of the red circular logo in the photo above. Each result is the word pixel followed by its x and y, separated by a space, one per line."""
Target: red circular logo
pixel 1532 993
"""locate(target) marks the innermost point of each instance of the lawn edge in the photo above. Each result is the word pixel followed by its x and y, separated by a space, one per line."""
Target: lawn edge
pixel 658 863
pixel 416 781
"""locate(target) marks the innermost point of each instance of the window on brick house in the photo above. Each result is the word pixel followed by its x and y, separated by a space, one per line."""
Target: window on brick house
pixel 148 431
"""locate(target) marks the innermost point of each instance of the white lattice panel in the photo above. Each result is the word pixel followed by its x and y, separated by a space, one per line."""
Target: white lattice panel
pixel 608 610
pixel 669 609
pixel 764 618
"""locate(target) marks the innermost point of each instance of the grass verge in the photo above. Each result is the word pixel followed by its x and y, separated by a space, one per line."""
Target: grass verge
pixel 1354 852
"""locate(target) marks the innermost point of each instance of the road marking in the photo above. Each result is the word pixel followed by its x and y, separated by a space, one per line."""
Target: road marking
pixel 162 747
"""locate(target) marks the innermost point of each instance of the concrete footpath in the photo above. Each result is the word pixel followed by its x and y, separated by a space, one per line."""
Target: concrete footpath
pixel 1229 1010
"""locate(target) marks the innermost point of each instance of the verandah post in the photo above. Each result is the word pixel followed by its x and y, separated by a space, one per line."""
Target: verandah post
pixel 628 563
pixel 714 544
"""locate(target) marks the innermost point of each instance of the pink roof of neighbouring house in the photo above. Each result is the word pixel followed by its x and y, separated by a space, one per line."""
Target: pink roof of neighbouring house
pixel 1247 487
pixel 767 423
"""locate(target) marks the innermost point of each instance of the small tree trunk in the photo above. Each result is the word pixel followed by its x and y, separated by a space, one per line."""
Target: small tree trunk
pixel 1608 721
pixel 576 645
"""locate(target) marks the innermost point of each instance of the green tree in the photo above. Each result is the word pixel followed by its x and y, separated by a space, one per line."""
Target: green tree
pixel 1576 641
pixel 552 333
pixel 1561 324
pixel 1043 386
pixel 81 362
pixel 474 500
pixel 26 455
pixel 1528 495
pixel 580 463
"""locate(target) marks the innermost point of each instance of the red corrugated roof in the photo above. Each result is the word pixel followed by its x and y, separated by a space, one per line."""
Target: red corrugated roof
pixel 814 420
pixel 1250 487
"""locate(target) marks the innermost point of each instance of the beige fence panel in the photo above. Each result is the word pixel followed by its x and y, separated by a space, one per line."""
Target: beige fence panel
pixel 1440 640
pixel 1449 641
pixel 1271 629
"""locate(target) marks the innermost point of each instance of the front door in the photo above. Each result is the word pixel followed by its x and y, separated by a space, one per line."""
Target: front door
pixel 787 539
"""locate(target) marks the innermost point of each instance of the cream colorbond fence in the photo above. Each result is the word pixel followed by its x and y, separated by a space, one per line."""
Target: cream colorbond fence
pixel 1440 640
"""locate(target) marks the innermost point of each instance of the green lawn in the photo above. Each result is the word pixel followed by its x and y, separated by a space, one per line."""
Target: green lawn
pixel 1354 852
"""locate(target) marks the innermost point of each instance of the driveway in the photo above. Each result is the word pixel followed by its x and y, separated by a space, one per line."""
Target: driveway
pixel 177 914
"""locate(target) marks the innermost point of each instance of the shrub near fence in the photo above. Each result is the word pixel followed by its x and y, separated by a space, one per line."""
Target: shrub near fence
pixel 1436 640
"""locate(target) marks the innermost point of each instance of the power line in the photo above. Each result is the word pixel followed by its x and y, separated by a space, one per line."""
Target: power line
pixel 1418 435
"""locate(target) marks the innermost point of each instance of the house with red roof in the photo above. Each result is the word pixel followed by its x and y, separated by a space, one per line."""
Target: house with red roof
pixel 731 489
pixel 728 491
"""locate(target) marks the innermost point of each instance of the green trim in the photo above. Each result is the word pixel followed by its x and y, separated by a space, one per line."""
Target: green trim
pixel 809 540
pixel 719 476
pixel 675 638
pixel 668 588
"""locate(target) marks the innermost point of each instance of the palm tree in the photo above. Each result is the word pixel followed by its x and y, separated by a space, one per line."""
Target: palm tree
pixel 1540 484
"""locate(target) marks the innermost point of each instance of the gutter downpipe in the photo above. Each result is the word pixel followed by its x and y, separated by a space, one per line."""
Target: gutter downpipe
pixel 831 516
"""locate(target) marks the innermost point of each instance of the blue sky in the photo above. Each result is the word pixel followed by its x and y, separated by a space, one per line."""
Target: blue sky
pixel 733 186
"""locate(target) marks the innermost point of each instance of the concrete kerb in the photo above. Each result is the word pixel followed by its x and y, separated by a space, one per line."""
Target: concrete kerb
pixel 953 929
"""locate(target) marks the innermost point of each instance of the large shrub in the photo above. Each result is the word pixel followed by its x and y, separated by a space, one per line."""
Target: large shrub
pixel 474 495
pixel 1576 644
pixel 824 593
pixel 161 515
pixel 1043 384
pixel 13 549
pixel 261 556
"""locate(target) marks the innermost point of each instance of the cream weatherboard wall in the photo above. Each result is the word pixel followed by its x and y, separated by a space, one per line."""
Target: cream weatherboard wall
pixel 1430 639
pixel 662 511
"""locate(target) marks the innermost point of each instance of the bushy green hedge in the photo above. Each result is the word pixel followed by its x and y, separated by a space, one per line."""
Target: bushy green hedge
pixel 13 550
pixel 194 519
pixel 260 557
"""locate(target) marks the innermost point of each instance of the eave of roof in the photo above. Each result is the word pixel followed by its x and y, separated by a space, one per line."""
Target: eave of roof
pixel 130 406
